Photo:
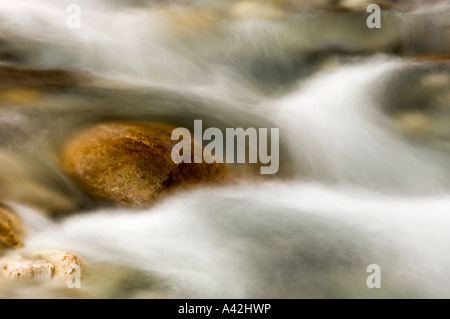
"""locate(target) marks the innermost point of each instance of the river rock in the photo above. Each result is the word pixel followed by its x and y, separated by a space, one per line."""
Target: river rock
pixel 64 262
pixel 130 162
pixel 43 264
pixel 11 229
pixel 21 268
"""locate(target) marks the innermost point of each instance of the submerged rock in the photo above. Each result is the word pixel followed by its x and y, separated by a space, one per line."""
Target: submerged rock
pixel 11 229
pixel 19 183
pixel 130 162
pixel 20 95
pixel 256 9
pixel 188 18
pixel 418 98
pixel 14 77
pixel 433 57
pixel 21 85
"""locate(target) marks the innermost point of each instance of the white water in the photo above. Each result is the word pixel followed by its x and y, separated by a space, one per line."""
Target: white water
pixel 305 240
pixel 353 192
pixel 336 113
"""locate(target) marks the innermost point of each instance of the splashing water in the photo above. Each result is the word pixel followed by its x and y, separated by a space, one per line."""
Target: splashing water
pixel 352 191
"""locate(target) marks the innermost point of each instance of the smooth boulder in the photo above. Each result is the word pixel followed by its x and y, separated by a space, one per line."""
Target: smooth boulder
pixel 130 163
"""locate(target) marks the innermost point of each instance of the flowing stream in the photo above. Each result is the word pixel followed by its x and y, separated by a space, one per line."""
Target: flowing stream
pixel 364 172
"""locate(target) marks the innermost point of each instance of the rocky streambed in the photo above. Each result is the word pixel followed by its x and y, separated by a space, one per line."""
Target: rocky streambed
pixel 89 187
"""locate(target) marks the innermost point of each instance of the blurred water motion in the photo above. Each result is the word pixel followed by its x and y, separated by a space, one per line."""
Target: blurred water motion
pixel 364 118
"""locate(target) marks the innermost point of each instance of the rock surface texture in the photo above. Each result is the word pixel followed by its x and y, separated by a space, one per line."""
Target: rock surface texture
pixel 11 229
pixel 130 162
pixel 42 264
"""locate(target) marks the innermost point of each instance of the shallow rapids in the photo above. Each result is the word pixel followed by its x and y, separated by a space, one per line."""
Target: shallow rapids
pixel 364 123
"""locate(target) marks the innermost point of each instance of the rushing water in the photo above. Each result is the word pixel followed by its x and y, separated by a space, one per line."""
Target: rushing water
pixel 358 183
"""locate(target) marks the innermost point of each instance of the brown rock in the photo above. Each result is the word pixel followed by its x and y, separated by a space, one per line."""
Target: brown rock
pixel 130 162
pixel 10 229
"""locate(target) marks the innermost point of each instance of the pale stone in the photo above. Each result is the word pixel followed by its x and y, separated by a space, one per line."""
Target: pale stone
pixel 42 264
